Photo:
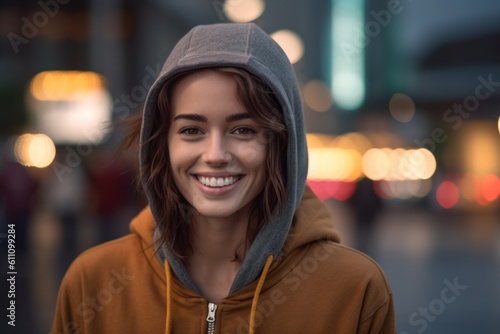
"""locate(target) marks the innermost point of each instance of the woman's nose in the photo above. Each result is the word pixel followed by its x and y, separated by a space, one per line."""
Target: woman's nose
pixel 216 152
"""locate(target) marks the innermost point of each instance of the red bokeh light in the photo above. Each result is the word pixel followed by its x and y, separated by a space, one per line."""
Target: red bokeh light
pixel 338 190
pixel 447 194
pixel 489 188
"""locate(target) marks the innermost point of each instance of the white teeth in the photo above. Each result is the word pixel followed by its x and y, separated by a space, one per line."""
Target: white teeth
pixel 213 182
pixel 217 182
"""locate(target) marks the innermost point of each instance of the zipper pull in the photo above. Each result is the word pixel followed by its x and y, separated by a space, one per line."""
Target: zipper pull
pixel 211 318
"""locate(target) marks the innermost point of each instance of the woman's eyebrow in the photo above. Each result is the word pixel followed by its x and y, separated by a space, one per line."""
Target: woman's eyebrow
pixel 201 118
pixel 237 117
pixel 191 117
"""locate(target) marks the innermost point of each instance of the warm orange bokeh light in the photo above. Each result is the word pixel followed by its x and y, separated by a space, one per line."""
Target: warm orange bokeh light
pixel 64 85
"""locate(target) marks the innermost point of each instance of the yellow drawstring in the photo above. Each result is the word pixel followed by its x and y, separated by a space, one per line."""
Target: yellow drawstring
pixel 168 275
pixel 255 300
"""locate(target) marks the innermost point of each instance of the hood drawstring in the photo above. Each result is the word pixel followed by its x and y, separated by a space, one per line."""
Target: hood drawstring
pixel 168 320
pixel 256 295
pixel 255 301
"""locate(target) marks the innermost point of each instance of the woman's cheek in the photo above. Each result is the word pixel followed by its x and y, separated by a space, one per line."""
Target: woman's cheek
pixel 253 152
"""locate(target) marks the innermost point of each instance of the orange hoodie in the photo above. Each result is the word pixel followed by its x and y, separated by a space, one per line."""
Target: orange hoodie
pixel 315 286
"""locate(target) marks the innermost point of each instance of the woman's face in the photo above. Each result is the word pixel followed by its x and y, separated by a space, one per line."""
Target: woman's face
pixel 217 158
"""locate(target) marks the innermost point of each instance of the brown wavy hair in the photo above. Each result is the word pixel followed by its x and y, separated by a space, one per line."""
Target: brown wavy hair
pixel 173 211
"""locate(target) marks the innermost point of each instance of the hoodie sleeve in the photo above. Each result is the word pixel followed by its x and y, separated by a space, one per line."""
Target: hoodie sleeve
pixel 382 321
pixel 377 314
pixel 69 302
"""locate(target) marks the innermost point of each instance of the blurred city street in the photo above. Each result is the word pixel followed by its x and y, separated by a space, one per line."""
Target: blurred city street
pixel 401 102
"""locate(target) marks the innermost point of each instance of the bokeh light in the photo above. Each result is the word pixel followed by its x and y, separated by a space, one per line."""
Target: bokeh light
pixel 338 190
pixel 334 164
pixel 402 107
pixel 447 194
pixel 334 158
pixel 315 140
pixel 480 148
pixel 243 11
pixel 423 162
pixel 489 187
pixel 72 106
pixel 403 189
pixel 317 95
pixel 291 43
pixel 375 164
pixel 360 142
pixel 398 164
pixel 419 188
pixel 64 85
pixel 399 173
pixel 34 150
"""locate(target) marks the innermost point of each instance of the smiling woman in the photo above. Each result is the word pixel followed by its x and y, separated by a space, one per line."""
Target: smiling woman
pixel 217 149
pixel 230 121
pixel 232 241
pixel 214 138
pixel 224 148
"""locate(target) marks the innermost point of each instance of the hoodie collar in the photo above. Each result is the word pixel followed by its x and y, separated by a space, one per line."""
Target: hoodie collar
pixel 312 222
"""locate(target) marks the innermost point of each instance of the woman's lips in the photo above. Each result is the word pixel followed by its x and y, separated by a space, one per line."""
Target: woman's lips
pixel 211 181
pixel 218 190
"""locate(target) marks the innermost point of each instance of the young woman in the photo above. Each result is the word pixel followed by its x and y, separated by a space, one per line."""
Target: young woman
pixel 232 240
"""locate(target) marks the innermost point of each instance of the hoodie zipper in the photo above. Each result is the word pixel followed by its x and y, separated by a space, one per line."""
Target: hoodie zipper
pixel 211 318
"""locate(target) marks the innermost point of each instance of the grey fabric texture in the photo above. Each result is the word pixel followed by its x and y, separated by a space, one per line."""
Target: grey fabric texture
pixel 244 46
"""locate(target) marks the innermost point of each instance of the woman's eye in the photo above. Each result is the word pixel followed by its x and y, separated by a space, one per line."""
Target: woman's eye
pixel 244 131
pixel 190 131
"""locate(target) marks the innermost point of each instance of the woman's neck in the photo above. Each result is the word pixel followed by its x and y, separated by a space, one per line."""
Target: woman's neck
pixel 217 239
pixel 212 266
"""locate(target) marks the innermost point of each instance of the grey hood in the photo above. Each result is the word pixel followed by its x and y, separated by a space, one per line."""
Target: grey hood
pixel 248 47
